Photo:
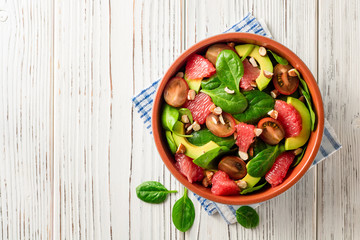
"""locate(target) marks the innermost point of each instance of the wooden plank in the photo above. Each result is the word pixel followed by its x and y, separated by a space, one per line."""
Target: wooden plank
pixel 338 179
pixel 291 23
pixel 26 47
pixel 92 136
pixel 157 42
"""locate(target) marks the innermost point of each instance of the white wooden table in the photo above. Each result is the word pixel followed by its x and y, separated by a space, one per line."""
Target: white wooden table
pixel 73 149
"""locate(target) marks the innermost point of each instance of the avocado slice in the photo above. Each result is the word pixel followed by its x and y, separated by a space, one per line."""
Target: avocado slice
pixel 192 150
pixel 251 181
pixel 194 84
pixel 264 63
pixel 298 141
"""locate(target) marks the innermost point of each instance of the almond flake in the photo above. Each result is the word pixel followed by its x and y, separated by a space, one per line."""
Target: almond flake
pixel 191 94
pixel 231 44
pixel 268 74
pixel 292 72
pixel 181 149
pixel 221 119
pixel 196 126
pixel 241 184
pixel 212 107
pixel 262 51
pixel 302 98
pixel 229 91
pixel 235 135
pixel 274 93
pixel 185 118
pixel 217 111
pixel 253 84
pixel 273 113
pixel 243 155
pixel 189 128
pixel 297 151
pixel 253 62
pixel 258 131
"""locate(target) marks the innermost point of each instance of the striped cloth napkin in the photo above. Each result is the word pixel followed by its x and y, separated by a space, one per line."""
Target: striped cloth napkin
pixel 144 100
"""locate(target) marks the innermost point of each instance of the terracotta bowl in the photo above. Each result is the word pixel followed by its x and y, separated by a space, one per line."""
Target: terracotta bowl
pixel 294 174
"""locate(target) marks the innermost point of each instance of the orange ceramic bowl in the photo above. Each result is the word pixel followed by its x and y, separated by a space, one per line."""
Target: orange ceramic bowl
pixel 294 174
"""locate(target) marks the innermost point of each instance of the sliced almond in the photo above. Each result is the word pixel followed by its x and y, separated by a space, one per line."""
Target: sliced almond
pixel 235 135
pixel 221 119
pixel 189 128
pixel 253 84
pixel 251 151
pixel 207 179
pixel 214 120
pixel 241 184
pixel 231 44
pixel 302 98
pixel 180 74
pixel 258 131
pixel 243 155
pixel 253 62
pixel 262 51
pixel 268 74
pixel 181 149
pixel 191 94
pixel 274 93
pixel 212 107
pixel 217 111
pixel 292 72
pixel 273 113
pixel 297 151
pixel 196 126
pixel 185 118
pixel 229 91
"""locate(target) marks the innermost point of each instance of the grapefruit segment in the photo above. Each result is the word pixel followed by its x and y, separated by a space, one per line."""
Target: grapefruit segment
pixel 199 107
pixel 190 170
pixel 198 67
pixel 222 185
pixel 245 136
pixel 289 118
pixel 278 171
pixel 250 74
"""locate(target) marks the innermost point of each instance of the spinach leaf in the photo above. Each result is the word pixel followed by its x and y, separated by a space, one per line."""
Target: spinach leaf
pixel 169 117
pixel 263 161
pixel 247 217
pixel 212 83
pixel 260 104
pixel 259 145
pixel 183 213
pixel 152 192
pixel 185 111
pixel 249 190
pixel 208 159
pixel 299 158
pixel 279 59
pixel 204 136
pixel 230 103
pixel 171 142
pixel 229 69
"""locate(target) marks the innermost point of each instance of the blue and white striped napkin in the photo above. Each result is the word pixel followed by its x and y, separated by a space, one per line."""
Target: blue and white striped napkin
pixel 144 100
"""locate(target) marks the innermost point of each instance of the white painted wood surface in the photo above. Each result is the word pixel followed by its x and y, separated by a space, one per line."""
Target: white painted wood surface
pixel 74 149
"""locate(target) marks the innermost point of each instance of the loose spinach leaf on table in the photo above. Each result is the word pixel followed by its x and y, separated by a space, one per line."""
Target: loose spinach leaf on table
pixel 183 213
pixel 263 161
pixel 247 217
pixel 208 160
pixel 279 59
pixel 230 103
pixel 229 69
pixel 259 104
pixel 211 83
pixel 152 192
pixel 249 190
pixel 204 136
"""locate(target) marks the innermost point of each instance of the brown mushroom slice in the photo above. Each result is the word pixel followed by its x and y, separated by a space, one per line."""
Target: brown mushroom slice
pixel 176 92
pixel 233 166
pixel 214 50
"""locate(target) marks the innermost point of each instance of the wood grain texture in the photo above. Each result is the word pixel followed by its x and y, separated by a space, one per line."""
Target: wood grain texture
pixel 338 177
pixel 25 118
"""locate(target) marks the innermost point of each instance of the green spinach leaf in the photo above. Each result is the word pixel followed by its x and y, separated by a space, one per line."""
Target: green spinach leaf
pixel 247 217
pixel 204 136
pixel 263 161
pixel 183 213
pixel 212 83
pixel 185 111
pixel 169 117
pixel 258 146
pixel 230 103
pixel 253 189
pixel 279 59
pixel 229 69
pixel 208 160
pixel 170 141
pixel 259 104
pixel 152 192
pixel 299 158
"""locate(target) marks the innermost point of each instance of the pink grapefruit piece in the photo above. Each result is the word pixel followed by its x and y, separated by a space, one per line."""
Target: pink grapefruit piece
pixel 250 75
pixel 222 185
pixel 289 118
pixel 190 170
pixel 278 171
pixel 245 136
pixel 198 67
pixel 199 107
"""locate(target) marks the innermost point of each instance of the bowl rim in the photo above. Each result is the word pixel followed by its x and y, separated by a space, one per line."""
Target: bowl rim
pixel 314 140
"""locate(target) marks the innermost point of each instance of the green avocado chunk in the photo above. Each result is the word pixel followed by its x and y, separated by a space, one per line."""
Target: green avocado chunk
pixel 264 63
